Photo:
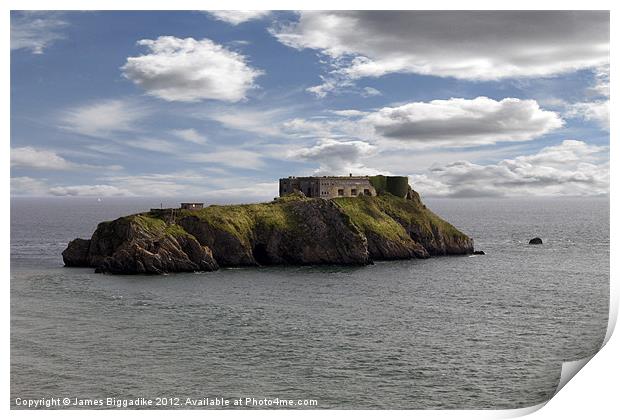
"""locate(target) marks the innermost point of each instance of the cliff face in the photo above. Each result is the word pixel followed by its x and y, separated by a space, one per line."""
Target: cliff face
pixel 291 230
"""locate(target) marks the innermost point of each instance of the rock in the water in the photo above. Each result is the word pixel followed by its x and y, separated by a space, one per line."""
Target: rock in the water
pixel 479 253
pixel 76 254
pixel 142 245
pixel 292 230
pixel 536 241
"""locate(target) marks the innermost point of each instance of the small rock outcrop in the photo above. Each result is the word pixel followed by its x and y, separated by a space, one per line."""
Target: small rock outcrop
pixel 291 230
pixel 139 245
pixel 536 241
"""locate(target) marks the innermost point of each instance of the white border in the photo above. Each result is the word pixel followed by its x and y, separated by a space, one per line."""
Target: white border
pixel 592 394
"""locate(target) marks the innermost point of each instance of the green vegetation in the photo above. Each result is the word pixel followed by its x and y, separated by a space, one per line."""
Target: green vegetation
pixel 385 215
pixel 379 182
pixel 413 212
pixel 395 185
pixel 366 213
pixel 242 220
pixel 156 226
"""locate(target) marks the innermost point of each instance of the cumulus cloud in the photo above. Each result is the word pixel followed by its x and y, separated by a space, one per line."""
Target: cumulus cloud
pixel 30 157
pixel 472 45
pixel 464 122
pixel 235 17
pixel 597 111
pixel 336 157
pixel 102 118
pixel 454 122
pixel 36 31
pixel 190 70
pixel 570 168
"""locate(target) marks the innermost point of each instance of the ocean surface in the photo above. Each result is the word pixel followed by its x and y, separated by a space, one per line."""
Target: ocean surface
pixel 452 332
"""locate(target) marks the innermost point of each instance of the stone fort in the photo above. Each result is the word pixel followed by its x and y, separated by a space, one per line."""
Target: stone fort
pixel 344 186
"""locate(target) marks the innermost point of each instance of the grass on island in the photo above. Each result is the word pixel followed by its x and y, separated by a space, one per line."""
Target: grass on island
pixel 157 226
pixel 366 213
pixel 383 215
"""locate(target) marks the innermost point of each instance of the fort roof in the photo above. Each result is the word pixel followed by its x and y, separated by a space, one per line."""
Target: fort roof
pixel 330 177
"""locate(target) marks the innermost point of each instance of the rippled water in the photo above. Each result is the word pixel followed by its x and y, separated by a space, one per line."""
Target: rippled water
pixel 455 332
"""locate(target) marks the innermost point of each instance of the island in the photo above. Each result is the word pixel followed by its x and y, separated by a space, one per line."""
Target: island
pixel 314 221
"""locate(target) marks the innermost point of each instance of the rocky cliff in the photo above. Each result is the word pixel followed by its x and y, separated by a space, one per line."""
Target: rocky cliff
pixel 293 230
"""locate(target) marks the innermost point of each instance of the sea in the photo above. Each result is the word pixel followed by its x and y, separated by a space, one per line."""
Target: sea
pixel 468 332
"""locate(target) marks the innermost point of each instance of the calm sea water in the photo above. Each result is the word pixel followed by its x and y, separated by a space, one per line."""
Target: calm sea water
pixel 454 332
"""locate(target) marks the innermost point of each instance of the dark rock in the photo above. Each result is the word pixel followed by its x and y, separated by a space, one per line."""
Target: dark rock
pixel 536 241
pixel 76 254
pixel 228 250
pixel 130 245
pixel 478 253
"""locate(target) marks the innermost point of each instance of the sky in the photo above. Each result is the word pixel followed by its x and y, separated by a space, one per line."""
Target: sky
pixel 219 105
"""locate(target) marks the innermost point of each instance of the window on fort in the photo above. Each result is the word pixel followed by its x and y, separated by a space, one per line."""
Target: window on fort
pixel 366 191
pixel 340 193
pixel 353 192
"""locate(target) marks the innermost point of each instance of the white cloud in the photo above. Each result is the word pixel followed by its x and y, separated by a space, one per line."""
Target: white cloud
pixel 235 17
pixel 370 91
pixel 570 168
pixel 102 118
pixel 24 185
pixel 89 190
pixel 35 31
pixel 190 135
pixel 597 111
pixel 462 122
pixel 454 122
pixel 337 157
pixel 348 113
pixel 472 45
pixel 601 86
pixel 30 157
pixel 190 70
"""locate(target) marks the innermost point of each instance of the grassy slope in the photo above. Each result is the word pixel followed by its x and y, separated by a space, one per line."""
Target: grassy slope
pixel 366 213
pixel 414 212
pixel 241 220
pixel 156 226
pixel 370 214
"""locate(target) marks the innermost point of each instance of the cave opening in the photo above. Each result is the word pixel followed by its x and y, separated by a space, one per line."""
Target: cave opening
pixel 260 254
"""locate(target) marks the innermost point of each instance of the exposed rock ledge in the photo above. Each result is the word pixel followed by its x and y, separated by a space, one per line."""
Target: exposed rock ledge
pixel 292 230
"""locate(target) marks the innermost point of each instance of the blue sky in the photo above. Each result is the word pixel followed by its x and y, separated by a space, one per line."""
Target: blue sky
pixel 220 105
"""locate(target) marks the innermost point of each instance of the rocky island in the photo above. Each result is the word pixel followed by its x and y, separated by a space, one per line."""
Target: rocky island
pixel 291 230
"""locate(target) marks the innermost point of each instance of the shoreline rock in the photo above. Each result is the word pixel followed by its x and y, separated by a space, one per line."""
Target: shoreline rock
pixel 535 241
